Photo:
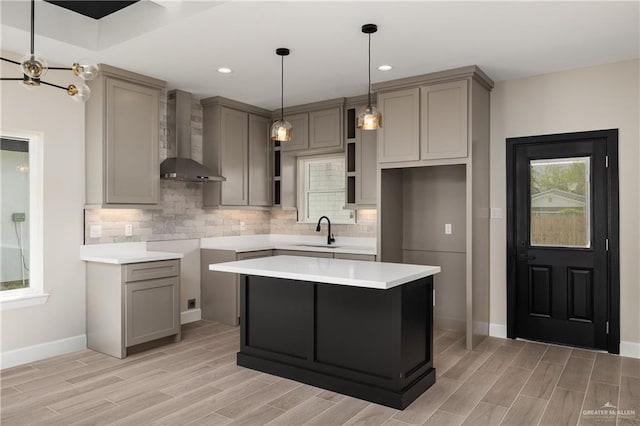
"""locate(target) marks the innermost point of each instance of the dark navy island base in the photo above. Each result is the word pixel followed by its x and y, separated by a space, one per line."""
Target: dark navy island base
pixel 372 344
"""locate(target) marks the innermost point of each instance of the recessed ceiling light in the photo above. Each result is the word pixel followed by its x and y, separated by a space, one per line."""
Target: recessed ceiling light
pixel 385 67
pixel 225 70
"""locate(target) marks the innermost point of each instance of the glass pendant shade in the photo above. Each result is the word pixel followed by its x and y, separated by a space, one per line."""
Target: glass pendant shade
pixel 85 70
pixel 79 92
pixel 34 66
pixel 369 119
pixel 281 131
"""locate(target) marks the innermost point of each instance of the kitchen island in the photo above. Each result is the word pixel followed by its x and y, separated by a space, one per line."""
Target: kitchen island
pixel 359 328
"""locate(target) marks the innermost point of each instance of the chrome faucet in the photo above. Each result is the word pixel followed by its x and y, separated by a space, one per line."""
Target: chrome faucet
pixel 330 238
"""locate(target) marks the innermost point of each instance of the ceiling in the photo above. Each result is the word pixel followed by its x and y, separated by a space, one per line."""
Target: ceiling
pixel 95 9
pixel 184 42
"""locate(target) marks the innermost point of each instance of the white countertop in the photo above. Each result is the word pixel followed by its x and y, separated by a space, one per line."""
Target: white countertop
pixel 123 253
pixel 380 275
pixel 246 243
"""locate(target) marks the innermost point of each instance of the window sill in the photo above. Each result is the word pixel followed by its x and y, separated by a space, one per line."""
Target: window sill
pixel 10 302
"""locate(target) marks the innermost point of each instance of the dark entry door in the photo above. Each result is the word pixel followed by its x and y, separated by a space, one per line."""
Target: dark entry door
pixel 560 239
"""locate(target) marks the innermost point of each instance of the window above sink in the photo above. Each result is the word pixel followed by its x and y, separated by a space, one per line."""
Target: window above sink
pixel 321 189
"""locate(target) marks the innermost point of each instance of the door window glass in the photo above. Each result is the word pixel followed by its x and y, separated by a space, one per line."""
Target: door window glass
pixel 560 202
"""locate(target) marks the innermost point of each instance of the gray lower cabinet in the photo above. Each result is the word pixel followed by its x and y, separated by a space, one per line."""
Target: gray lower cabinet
pixel 220 291
pixel 122 139
pixel 302 253
pixel 322 254
pixel 132 304
pixel 350 256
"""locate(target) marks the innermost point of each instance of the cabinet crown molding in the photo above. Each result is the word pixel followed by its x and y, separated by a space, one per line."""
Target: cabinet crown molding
pixel 111 71
pixel 230 103
pixel 313 106
pixel 471 71
pixel 356 101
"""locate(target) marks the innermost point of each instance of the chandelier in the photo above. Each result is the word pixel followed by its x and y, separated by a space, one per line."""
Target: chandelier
pixel 35 67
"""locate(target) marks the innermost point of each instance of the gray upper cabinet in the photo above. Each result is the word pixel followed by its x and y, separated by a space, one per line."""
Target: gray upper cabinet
pixel 443 110
pixel 300 140
pixel 236 144
pixel 366 161
pixel 122 139
pixel 234 156
pixel 259 161
pixel 325 128
pixel 398 139
pixel 360 159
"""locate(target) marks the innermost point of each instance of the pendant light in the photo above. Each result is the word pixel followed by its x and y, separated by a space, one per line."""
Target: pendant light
pixel 369 118
pixel 281 130
pixel 34 68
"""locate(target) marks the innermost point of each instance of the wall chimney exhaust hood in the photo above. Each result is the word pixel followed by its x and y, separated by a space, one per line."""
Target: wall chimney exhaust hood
pixel 182 167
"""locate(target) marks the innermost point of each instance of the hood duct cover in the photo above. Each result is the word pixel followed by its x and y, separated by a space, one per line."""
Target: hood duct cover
pixel 182 167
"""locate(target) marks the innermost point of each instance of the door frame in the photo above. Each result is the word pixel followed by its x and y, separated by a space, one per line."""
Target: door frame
pixel 610 138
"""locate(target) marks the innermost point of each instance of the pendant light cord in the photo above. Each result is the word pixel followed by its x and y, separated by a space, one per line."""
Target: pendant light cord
pixel 369 88
pixel 282 88
pixel 33 18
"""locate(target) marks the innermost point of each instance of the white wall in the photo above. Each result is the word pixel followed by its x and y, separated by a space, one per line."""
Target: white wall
pixel 61 121
pixel 595 98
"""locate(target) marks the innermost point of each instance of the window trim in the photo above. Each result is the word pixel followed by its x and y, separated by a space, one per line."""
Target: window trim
pixel 34 295
pixel 301 205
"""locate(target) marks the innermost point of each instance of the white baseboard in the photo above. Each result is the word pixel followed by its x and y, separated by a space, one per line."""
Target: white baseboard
pixel 42 351
pixel 498 330
pixel 191 315
pixel 630 349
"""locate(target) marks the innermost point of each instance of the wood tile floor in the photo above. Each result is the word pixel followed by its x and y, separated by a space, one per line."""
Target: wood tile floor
pixel 196 382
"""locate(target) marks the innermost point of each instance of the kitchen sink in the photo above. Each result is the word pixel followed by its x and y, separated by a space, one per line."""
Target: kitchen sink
pixel 317 245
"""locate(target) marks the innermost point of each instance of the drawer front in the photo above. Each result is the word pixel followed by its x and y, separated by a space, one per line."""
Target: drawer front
pixel 302 253
pixel 349 256
pixel 151 270
pixel 253 254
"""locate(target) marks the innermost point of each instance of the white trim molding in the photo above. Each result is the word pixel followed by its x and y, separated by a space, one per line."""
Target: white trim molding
pixel 192 315
pixel 42 351
pixel 23 300
pixel 498 330
pixel 630 349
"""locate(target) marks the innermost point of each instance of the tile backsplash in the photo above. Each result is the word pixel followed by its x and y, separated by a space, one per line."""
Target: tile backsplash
pixel 180 216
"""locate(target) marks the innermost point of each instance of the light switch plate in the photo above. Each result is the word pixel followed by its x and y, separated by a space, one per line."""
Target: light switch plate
pixel 496 213
pixel 447 228
pixel 95 231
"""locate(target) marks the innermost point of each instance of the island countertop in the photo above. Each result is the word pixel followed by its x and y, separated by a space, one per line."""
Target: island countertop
pixel 357 273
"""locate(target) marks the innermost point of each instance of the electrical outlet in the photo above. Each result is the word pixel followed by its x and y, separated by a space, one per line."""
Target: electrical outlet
pixel 191 304
pixel 128 230
pixel 243 226
pixel 447 228
pixel 95 231
pixel 18 217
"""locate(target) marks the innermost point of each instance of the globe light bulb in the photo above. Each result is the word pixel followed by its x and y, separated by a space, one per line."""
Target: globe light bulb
pixel 85 69
pixel 79 92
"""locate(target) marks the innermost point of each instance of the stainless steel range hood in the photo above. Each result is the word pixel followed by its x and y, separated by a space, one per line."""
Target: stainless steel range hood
pixel 182 167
